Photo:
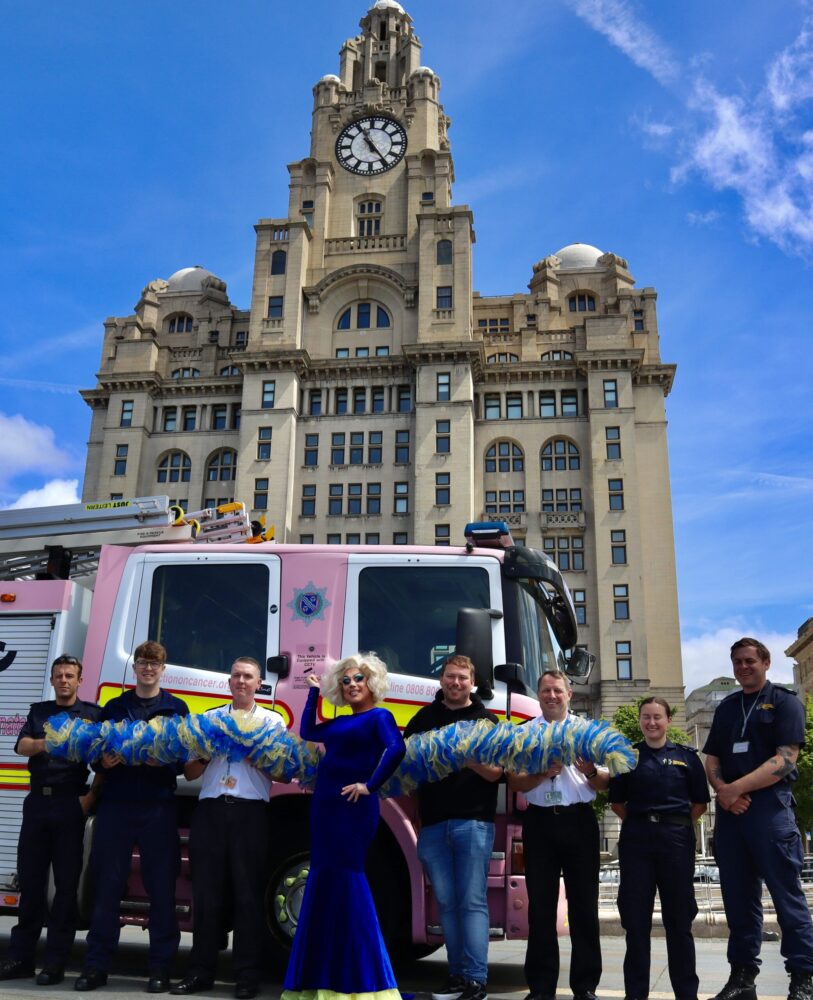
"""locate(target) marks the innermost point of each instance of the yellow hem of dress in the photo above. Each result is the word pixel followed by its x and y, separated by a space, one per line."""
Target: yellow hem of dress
pixel 392 994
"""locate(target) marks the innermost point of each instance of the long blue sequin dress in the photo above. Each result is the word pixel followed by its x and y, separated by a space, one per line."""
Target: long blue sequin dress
pixel 338 949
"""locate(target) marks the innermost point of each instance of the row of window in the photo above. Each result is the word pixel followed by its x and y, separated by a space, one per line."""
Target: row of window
pixel 443 300
pixel 564 403
pixel 176 466
pixel 184 323
pixel 185 418
pixel 442 537
pixel 377 399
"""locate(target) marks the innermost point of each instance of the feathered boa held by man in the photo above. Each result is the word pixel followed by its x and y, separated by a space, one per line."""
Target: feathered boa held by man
pixel 430 756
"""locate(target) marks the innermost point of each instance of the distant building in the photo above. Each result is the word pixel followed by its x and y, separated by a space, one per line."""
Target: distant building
pixel 802 652
pixel 370 395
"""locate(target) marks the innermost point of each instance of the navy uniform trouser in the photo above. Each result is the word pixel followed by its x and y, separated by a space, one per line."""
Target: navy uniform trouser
pixel 52 834
pixel 153 828
pixel 657 856
pixel 763 843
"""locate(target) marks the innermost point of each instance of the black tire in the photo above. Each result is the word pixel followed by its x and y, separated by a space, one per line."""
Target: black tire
pixel 283 898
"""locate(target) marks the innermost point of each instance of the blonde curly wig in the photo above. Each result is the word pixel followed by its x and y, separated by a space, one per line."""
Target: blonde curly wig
pixel 369 664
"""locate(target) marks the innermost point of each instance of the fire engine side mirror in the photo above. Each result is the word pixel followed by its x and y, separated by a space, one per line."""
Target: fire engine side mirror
pixel 578 663
pixel 279 665
pixel 473 639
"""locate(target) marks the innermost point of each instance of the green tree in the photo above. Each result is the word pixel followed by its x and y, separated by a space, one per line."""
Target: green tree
pixel 803 788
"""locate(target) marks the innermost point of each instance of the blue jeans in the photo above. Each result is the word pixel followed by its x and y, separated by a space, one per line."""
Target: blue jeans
pixel 455 855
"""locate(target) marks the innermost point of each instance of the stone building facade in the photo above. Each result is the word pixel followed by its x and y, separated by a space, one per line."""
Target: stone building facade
pixel 802 652
pixel 369 395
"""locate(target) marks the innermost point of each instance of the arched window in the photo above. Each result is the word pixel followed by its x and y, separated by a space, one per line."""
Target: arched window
pixel 368 217
pixel 230 370
pixel 504 456
pixel 279 259
pixel 560 455
pixel 557 356
pixel 364 316
pixel 186 373
pixel 581 302
pixel 222 466
pixel 503 357
pixel 182 323
pixel 444 252
pixel 175 467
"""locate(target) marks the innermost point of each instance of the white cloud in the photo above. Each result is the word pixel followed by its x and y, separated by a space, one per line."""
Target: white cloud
pixel 657 130
pixel 57 491
pixel 26 447
pixel 618 22
pixel 790 76
pixel 35 386
pixel 703 218
pixel 706 656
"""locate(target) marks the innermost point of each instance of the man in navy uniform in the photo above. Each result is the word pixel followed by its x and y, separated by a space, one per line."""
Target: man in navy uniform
pixel 52 834
pixel 137 808
pixel 751 753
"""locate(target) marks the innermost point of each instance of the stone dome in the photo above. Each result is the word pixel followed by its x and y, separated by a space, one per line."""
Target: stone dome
pixel 387 5
pixel 330 78
pixel 421 70
pixel 576 256
pixel 189 279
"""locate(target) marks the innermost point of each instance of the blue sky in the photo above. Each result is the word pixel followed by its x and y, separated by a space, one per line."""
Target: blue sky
pixel 140 138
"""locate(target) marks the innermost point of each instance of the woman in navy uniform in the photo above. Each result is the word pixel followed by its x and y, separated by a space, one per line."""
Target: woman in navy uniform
pixel 658 804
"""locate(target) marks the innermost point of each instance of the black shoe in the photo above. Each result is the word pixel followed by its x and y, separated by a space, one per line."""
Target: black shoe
pixel 158 984
pixel 474 991
pixel 801 986
pixel 191 984
pixel 544 996
pixel 740 985
pixel 587 995
pixel 90 979
pixel 12 968
pixel 451 989
pixel 245 991
pixel 50 976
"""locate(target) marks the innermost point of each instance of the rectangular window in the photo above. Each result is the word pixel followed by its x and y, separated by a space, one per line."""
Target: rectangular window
pixel 357 448
pixel 275 307
pixel 120 464
pixel 340 401
pixel 443 440
pixel 263 444
pixel 372 538
pixel 116 496
pixel 219 414
pixel 621 602
pixel 442 489
pixel 513 406
pixel 444 297
pixel 241 338
pixel 623 661
pixel 401 498
pixel 363 314
pixel 309 501
pixel 342 352
pixel 400 538
pixel 404 399
pixel 126 418
pixel 236 413
pixel 306 539
pixel 315 402
pixel 638 319
pixel 444 387
pixel 362 352
pixel 337 449
pixel 170 418
pixel 547 404
pixel 616 490
pixel 377 401
pixel 493 407
pixel 354 499
pixel 260 494
pixel 269 394
pixel 618 547
pixel 352 539
pixel 580 604
pixel 311 449
pixel 335 499
pixel 374 439
pixel 505 502
pixel 359 400
pixel 610 393
pixel 561 500
pixel 443 534
pixel 382 352
pixel 373 498
pixel 402 447
pixel 189 418
pixel 570 404
pixel 334 539
pixel 613 438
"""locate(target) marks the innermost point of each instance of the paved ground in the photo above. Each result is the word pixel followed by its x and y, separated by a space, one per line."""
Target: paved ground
pixel 505 962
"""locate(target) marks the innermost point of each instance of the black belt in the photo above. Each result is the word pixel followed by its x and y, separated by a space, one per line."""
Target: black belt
pixel 558 810
pixel 58 790
pixel 233 800
pixel 670 818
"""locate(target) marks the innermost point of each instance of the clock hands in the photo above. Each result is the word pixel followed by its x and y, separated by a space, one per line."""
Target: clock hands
pixel 373 146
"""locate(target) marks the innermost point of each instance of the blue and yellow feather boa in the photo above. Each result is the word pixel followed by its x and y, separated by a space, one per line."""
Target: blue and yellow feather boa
pixel 430 756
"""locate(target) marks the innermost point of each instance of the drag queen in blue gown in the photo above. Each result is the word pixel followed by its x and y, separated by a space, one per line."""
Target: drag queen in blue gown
pixel 338 950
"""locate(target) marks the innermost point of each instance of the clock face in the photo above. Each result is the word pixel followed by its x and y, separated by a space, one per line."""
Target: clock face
pixel 371 145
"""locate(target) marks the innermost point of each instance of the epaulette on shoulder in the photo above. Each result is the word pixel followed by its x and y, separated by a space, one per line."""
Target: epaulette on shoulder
pixel 687 746
pixel 784 690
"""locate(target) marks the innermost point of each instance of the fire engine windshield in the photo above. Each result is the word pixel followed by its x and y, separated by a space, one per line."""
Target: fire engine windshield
pixel 529 638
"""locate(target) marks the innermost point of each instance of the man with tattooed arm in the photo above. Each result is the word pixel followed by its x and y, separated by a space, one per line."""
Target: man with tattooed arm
pixel 751 756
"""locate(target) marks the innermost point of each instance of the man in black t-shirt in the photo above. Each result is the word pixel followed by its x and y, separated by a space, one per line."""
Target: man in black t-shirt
pixel 52 834
pixel 457 835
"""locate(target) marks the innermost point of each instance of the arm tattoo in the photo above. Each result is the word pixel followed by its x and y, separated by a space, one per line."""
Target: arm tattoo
pixel 716 774
pixel 785 759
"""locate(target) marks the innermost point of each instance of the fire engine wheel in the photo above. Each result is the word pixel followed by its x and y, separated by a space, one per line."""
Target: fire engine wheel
pixel 283 900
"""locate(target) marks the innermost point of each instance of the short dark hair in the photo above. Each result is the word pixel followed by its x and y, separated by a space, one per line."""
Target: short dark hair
pixel 762 650
pixel 66 660
pixel 150 650
pixel 655 699
pixel 458 660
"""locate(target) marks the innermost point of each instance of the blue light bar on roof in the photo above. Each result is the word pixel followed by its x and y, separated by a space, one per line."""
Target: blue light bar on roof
pixel 489 534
